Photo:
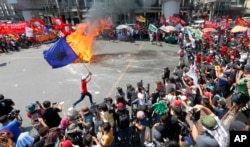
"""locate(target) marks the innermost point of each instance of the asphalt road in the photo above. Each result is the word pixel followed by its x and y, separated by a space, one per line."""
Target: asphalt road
pixel 26 77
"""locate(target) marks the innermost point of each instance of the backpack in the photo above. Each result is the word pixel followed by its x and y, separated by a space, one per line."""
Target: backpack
pixel 181 54
pixel 53 136
pixel 123 120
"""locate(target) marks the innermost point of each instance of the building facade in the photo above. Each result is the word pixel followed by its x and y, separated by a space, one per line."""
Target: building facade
pixel 121 11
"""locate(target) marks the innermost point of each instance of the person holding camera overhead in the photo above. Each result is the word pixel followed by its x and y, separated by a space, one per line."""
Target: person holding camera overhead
pixel 50 114
pixel 6 105
pixel 215 134
pixel 13 126
pixel 84 89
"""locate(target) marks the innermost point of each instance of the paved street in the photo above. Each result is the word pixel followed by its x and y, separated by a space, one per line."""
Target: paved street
pixel 26 77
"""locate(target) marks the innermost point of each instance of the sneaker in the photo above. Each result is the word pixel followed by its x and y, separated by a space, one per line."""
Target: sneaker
pixel 94 103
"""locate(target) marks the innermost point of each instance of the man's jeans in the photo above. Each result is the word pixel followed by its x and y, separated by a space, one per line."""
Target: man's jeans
pixel 82 97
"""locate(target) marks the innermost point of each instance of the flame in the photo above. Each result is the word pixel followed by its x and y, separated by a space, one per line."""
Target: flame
pixel 82 40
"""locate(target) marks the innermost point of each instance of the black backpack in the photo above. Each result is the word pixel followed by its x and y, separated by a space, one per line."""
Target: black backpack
pixel 123 121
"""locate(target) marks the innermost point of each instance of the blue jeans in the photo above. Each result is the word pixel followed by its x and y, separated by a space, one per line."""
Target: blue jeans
pixel 82 97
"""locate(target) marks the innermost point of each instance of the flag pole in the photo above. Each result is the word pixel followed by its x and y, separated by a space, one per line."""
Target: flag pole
pixel 86 67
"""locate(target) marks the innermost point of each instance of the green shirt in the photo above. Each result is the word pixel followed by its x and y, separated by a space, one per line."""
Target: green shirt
pixel 242 86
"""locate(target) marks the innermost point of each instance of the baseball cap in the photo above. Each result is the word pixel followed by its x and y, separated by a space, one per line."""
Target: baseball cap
pixel 207 95
pixel 177 103
pixel 120 105
pixel 209 122
pixel 66 143
pixel 238 126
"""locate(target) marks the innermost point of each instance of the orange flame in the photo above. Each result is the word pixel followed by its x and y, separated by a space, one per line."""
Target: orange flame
pixel 82 40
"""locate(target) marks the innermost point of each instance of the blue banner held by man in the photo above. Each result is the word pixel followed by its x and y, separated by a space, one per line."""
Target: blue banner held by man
pixel 60 54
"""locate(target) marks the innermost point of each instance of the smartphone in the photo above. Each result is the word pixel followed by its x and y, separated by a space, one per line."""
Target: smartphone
pixel 61 103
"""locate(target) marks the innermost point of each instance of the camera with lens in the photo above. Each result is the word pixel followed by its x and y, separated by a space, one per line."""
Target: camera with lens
pixel 13 114
pixel 184 131
pixel 195 115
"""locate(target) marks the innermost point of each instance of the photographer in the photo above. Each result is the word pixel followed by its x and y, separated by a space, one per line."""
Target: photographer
pixel 131 94
pixel 159 130
pixel 120 96
pixel 6 105
pixel 215 134
pixel 140 125
pixel 34 112
pixel 12 126
pixel 142 99
pixel 165 75
pixel 50 114
pixel 123 121
pixel 87 120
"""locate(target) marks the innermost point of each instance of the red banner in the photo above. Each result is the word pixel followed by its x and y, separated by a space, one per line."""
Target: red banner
pixel 241 22
pixel 210 24
pixel 224 24
pixel 58 23
pixel 175 20
pixel 18 27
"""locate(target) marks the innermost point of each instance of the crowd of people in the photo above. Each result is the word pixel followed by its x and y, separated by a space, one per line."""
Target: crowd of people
pixel 194 105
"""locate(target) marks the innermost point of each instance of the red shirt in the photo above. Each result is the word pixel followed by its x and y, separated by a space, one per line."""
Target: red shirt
pixel 198 59
pixel 223 50
pixel 84 86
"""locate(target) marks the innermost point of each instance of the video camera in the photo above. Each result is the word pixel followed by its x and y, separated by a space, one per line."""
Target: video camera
pixel 13 114
pixel 184 131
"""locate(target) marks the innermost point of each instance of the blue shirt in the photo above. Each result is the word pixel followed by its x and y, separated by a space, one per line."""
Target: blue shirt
pixel 143 122
pixel 14 127
pixel 220 112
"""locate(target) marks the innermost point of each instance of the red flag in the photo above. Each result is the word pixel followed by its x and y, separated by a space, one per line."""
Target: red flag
pixel 58 23
pixel 67 29
pixel 37 22
pixel 241 21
